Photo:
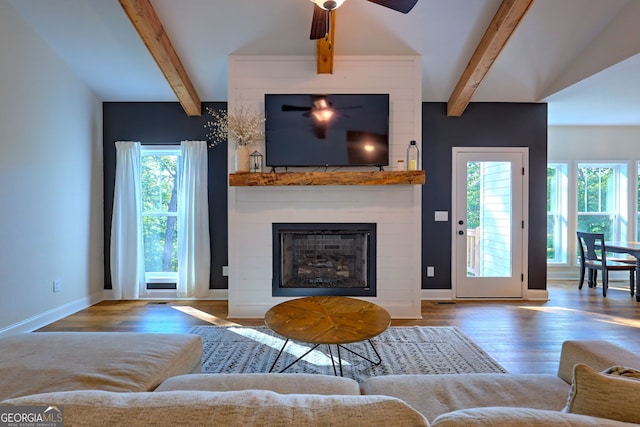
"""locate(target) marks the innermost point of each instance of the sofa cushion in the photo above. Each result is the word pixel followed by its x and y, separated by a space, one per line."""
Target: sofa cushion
pixel 280 383
pixel 602 395
pixel 519 417
pixel 231 408
pixel 433 395
pixel 117 361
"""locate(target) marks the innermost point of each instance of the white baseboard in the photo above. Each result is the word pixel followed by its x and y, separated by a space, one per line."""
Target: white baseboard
pixel 537 295
pixel 438 294
pixel 55 314
pixel 164 294
pixel 447 295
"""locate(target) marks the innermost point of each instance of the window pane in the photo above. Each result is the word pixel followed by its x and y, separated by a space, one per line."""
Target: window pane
pixel 557 212
pixel 552 189
pixel 598 209
pixel 159 174
pixel 551 247
pixel 597 224
pixel 473 195
pixel 489 217
pixel 596 189
pixel 160 237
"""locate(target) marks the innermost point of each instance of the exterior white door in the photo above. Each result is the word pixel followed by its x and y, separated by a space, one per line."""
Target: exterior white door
pixel 489 222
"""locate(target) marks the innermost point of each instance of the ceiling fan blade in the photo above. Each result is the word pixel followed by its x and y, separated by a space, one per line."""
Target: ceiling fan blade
pixel 286 107
pixel 403 6
pixel 319 22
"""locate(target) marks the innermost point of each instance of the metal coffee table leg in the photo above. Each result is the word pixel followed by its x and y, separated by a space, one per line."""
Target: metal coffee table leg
pixel 333 362
pixel 361 356
pixel 295 361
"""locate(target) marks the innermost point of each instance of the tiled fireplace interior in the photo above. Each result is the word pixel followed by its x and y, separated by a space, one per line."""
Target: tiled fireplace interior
pixel 324 259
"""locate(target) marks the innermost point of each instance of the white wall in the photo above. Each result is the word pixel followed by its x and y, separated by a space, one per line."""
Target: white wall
pixel 593 143
pixel 50 183
pixel 575 144
pixel 395 208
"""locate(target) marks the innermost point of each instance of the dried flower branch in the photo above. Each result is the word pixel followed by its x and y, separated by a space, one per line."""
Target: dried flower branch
pixel 243 125
pixel 217 128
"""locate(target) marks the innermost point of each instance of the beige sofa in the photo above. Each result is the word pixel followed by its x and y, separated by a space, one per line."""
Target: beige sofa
pixel 395 400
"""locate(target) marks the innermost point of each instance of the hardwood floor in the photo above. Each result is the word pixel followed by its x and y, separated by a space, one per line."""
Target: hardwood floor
pixel 525 337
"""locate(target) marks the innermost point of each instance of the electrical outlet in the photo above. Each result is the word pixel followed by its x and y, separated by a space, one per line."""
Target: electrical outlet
pixel 57 286
pixel 430 271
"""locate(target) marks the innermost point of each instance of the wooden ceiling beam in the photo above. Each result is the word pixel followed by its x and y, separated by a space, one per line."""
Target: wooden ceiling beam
pixel 146 22
pixel 502 26
pixel 325 47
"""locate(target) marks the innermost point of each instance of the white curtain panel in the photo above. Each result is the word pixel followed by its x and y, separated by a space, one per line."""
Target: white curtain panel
pixel 127 253
pixel 194 253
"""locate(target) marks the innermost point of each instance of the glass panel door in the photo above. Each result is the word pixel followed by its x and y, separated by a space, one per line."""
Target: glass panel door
pixel 488 224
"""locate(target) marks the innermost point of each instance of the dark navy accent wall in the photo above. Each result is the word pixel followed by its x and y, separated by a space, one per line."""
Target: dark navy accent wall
pixel 481 125
pixel 166 123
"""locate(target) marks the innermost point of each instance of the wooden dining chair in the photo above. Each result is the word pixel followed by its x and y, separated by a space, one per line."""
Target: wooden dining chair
pixel 592 251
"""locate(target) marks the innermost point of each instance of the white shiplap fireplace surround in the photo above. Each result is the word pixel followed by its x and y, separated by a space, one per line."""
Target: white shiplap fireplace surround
pixel 396 209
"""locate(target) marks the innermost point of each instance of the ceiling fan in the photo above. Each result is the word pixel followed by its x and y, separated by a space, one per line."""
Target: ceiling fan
pixel 322 13
pixel 321 112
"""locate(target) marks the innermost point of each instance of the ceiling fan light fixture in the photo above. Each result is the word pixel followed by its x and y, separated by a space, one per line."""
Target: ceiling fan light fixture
pixel 321 110
pixel 328 4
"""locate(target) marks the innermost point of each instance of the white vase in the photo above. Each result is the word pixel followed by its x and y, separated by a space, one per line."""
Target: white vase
pixel 242 159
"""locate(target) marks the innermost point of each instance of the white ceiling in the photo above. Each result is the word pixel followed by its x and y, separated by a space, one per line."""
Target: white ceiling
pixel 580 56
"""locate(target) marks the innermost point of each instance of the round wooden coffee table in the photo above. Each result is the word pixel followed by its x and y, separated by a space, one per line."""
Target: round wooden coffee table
pixel 330 320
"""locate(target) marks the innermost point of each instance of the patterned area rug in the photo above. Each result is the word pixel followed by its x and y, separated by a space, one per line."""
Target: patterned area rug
pixel 404 350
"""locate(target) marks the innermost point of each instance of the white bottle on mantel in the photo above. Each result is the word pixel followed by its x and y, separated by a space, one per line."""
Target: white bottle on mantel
pixel 413 157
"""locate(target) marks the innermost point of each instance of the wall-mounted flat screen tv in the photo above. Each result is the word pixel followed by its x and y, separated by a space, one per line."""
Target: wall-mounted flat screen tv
pixel 326 130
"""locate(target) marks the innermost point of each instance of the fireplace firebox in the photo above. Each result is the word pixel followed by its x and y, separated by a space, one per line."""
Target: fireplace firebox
pixel 324 259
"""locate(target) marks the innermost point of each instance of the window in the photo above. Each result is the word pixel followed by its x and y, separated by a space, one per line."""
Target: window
pixel 557 212
pixel 159 177
pixel 602 199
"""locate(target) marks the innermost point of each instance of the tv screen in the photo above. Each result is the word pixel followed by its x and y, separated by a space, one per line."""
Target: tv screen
pixel 327 130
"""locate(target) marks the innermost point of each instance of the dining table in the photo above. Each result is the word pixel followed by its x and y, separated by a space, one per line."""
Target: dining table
pixel 631 248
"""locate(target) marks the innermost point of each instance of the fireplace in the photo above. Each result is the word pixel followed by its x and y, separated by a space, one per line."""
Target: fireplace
pixel 324 259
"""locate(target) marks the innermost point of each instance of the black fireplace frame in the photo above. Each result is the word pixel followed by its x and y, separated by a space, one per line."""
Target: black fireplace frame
pixel 368 228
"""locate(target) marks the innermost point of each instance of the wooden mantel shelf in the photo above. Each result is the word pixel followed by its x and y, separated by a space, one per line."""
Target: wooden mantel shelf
pixel 326 178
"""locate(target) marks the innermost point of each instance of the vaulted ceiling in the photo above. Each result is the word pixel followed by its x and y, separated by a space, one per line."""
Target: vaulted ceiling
pixel 580 56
